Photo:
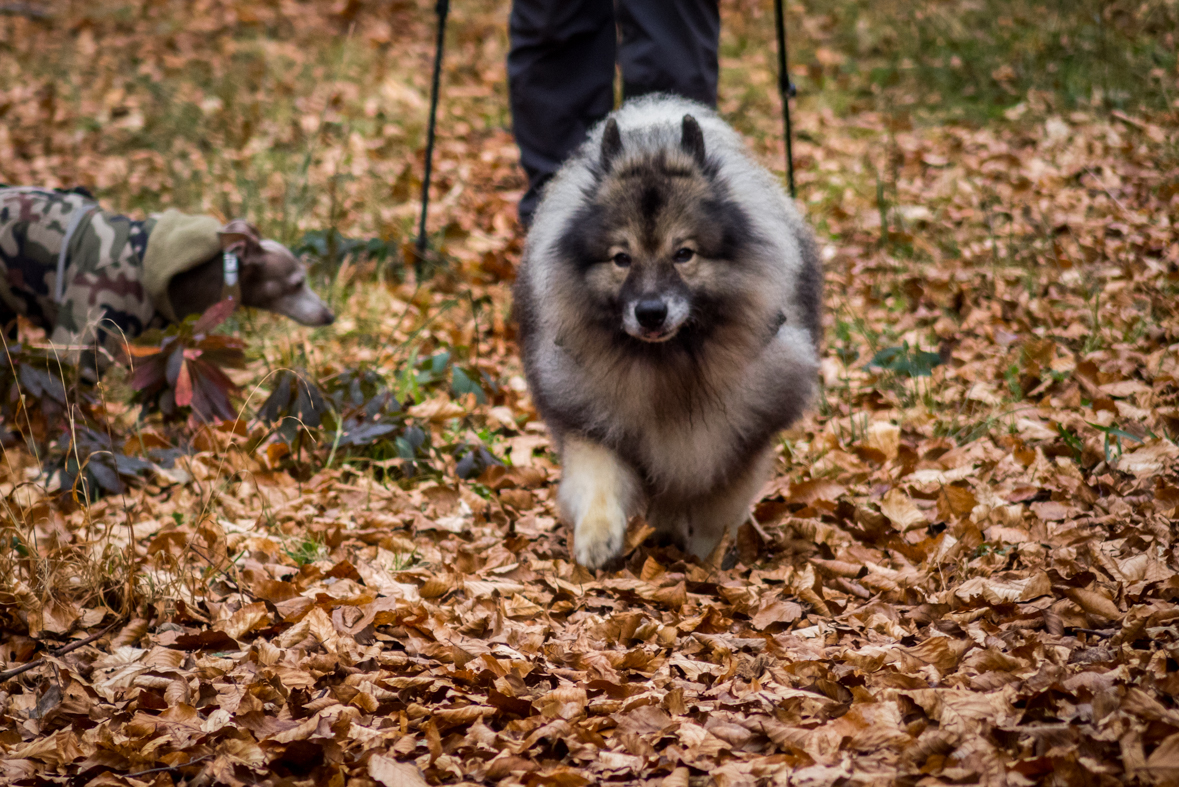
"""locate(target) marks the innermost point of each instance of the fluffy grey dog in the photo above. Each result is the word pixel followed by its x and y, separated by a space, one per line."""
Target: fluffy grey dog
pixel 669 309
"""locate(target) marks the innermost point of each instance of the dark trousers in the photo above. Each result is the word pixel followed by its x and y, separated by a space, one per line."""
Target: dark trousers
pixel 561 69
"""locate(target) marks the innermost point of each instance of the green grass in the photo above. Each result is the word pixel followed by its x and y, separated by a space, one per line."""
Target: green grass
pixel 306 550
pixel 967 60
pixel 977 59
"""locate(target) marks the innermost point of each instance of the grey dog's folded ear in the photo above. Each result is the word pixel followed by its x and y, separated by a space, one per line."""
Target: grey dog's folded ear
pixel 611 143
pixel 692 140
pixel 241 236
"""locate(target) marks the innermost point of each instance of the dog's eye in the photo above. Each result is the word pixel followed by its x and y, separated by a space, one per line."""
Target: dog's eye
pixel 622 259
pixel 683 255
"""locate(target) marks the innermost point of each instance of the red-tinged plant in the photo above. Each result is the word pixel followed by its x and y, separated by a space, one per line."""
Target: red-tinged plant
pixel 182 367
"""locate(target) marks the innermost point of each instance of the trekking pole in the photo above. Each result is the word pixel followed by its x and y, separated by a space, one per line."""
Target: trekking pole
pixel 442 9
pixel 786 89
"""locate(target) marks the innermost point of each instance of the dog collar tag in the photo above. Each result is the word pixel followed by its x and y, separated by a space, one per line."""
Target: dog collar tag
pixel 231 263
pixel 231 288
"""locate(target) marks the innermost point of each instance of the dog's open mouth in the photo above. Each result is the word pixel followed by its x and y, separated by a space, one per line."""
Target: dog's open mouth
pixel 656 335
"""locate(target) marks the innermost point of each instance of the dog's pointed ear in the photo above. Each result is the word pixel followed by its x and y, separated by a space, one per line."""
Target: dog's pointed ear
pixel 241 236
pixel 692 140
pixel 611 142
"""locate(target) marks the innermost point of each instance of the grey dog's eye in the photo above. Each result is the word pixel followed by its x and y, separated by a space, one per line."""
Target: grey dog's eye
pixel 683 255
pixel 622 259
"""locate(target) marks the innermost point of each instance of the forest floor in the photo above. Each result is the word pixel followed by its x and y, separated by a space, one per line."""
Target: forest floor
pixel 963 572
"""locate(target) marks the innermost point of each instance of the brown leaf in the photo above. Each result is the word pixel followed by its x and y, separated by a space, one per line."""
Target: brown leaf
pixel 884 437
pixel 247 619
pixel 651 570
pixel 673 597
pixel 320 626
pixel 436 586
pixel 839 568
pixel 955 501
pixel 776 611
pixel 942 652
pixel 391 773
pixel 810 491
pixel 1164 760
pixel 437 410
pixel 1050 511
pixel 184 392
pixel 567 702
pixel 999 590
pixel 1094 603
pixel 1149 459
pixel 901 511
pixel 130 634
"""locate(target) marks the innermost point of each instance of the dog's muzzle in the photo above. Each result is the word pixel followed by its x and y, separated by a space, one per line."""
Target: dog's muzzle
pixel 655 319
pixel 305 308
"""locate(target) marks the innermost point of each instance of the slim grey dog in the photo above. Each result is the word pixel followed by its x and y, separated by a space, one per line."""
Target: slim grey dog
pixel 93 278
pixel 669 307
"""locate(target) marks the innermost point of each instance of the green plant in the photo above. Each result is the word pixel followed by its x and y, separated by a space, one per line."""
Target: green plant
pixel 306 550
pixel 906 361
pixel 40 391
pixel 1072 441
pixel 1113 436
pixel 91 465
pixel 1093 341
pixel 404 560
pixel 181 368
pixel 359 417
pixel 902 365
pixel 1011 376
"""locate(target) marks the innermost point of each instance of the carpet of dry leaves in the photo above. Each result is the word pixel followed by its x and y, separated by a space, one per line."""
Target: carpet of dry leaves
pixel 964 571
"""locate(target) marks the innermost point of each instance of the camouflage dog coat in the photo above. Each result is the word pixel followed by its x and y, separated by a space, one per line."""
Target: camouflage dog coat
pixel 79 272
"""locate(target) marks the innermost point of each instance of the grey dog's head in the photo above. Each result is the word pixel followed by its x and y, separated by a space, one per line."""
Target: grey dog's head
pixel 273 278
pixel 658 242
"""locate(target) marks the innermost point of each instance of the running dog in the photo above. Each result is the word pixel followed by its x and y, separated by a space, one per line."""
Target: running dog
pixel 669 310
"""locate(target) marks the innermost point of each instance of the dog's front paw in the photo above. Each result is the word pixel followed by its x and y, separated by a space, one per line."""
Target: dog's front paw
pixel 598 537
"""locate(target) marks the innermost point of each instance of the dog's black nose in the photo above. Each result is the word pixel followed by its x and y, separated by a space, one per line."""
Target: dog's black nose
pixel 651 313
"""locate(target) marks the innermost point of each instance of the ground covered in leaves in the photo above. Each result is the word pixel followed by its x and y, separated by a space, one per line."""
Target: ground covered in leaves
pixel 964 571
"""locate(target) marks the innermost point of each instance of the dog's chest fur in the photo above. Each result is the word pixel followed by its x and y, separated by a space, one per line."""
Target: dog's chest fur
pixel 688 425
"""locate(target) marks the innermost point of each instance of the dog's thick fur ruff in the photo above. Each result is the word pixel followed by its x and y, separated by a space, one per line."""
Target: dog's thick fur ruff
pixel 664 205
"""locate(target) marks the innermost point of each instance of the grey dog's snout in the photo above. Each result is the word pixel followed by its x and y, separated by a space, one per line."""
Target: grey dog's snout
pixel 651 313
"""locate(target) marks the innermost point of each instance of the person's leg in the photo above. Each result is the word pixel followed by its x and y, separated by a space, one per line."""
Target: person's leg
pixel 669 46
pixel 560 81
